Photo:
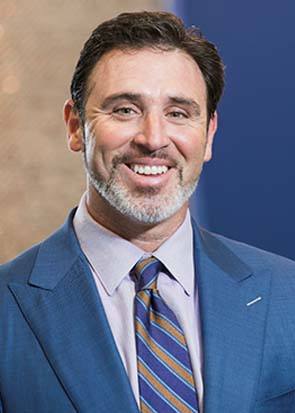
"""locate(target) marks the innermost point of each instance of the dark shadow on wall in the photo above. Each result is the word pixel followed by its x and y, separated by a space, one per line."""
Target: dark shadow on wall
pixel 247 190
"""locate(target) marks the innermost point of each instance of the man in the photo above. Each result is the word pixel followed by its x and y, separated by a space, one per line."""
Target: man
pixel 130 306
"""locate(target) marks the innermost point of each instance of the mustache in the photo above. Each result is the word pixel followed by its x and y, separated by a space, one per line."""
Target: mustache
pixel 128 158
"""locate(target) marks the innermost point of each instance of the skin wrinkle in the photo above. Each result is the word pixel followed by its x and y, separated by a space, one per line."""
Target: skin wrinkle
pixel 191 122
pixel 156 108
pixel 138 100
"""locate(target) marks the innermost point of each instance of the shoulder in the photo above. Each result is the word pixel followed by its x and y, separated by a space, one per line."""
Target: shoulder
pixel 257 259
pixel 18 271
pixel 49 252
pixel 56 249
pixel 20 267
pixel 254 254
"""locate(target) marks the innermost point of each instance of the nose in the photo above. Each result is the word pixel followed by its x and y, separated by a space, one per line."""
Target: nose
pixel 152 135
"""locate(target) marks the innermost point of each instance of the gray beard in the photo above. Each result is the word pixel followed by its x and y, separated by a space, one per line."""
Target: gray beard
pixel 148 206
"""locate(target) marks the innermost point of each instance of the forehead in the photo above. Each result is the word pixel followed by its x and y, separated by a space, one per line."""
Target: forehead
pixel 150 72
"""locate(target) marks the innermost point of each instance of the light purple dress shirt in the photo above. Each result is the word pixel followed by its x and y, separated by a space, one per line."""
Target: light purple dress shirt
pixel 111 258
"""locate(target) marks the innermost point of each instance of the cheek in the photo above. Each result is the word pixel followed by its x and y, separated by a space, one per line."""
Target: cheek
pixel 112 137
pixel 104 144
pixel 191 146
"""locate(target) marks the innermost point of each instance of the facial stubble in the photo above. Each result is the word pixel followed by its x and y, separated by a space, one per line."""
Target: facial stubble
pixel 145 205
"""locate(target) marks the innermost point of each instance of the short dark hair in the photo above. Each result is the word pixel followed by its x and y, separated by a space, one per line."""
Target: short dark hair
pixel 160 30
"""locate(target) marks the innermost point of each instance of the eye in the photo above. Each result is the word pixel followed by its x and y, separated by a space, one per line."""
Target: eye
pixel 125 111
pixel 177 115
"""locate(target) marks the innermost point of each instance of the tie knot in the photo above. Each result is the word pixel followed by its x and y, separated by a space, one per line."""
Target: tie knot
pixel 146 272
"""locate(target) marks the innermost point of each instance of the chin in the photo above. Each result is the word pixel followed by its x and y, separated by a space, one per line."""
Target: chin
pixel 146 207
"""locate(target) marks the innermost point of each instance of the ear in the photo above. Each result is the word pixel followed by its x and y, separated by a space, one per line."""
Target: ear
pixel 212 127
pixel 73 126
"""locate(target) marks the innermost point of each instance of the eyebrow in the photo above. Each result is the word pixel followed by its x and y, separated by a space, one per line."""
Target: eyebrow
pixel 178 100
pixel 138 98
pixel 131 97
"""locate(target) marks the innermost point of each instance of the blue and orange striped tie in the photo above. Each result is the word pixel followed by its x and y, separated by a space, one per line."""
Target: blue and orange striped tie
pixel 166 382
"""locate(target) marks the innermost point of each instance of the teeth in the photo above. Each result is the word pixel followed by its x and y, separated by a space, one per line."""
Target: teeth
pixel 149 170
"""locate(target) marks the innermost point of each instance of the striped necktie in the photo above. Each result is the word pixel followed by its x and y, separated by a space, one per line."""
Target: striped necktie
pixel 166 382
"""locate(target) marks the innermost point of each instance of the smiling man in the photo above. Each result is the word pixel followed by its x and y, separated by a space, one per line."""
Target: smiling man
pixel 146 134
pixel 130 306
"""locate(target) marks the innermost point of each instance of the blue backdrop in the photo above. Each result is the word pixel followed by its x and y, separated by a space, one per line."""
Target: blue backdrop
pixel 247 190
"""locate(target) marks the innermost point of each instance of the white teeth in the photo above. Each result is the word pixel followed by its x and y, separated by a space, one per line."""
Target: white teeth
pixel 149 170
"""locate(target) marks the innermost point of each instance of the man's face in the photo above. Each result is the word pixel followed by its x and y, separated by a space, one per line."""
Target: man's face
pixel 145 131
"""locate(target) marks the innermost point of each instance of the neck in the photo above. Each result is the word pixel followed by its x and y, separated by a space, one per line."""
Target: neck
pixel 147 237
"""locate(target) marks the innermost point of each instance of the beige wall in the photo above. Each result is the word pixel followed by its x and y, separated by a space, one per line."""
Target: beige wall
pixel 39 45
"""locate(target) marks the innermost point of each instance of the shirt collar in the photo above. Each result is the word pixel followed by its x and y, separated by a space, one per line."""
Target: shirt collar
pixel 176 253
pixel 112 257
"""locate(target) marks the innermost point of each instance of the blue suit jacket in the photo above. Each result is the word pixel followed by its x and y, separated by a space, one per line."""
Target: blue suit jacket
pixel 58 355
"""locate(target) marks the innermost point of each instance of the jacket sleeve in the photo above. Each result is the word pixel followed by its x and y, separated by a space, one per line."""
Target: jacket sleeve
pixel 1 405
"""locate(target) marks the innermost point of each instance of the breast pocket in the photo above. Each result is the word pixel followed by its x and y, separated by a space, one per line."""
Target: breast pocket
pixel 283 403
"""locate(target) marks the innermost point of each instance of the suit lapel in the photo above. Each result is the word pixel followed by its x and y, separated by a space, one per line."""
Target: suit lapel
pixel 63 308
pixel 232 331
